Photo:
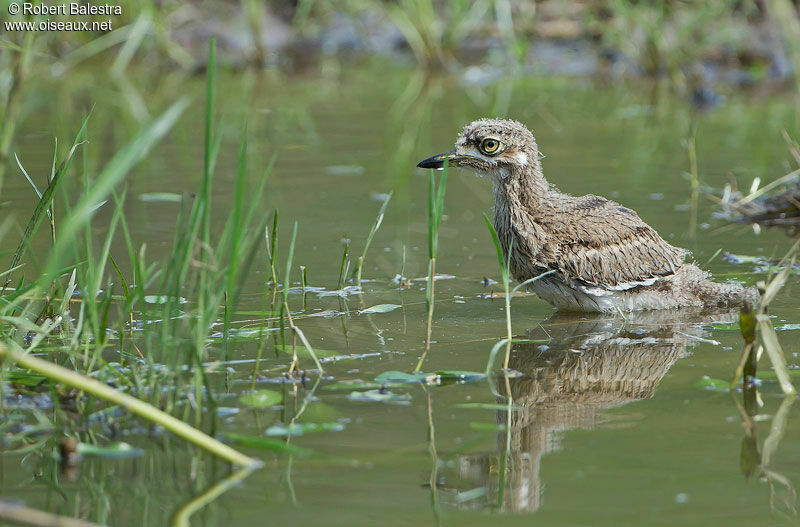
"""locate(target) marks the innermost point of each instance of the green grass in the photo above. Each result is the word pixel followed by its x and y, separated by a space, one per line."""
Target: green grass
pixel 372 231
pixel 205 265
pixel 435 212
pixel 505 278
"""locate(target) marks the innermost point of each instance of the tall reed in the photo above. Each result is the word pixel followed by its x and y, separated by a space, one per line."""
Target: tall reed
pixel 296 331
pixel 435 210
pixel 750 320
pixel 211 272
pixel 372 231
pixel 505 277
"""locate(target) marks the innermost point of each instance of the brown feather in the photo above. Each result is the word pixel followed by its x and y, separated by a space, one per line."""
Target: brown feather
pixel 605 257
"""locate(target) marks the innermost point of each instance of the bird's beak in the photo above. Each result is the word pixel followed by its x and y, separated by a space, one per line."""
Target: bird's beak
pixel 437 161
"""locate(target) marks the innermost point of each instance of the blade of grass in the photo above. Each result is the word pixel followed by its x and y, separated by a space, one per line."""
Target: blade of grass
pixel 373 230
pixel 112 174
pixel 45 202
pixel 287 283
pixel 435 211
pixel 775 353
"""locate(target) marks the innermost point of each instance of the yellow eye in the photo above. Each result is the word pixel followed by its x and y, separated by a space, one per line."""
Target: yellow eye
pixel 490 146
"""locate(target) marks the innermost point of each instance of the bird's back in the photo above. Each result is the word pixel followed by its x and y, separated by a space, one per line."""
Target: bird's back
pixel 600 243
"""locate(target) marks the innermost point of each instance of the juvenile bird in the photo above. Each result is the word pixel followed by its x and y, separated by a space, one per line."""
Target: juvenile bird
pixel 604 257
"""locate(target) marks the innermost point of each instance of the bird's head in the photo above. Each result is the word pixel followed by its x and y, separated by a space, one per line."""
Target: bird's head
pixel 492 147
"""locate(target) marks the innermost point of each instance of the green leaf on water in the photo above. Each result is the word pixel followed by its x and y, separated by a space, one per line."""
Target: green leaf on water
pixel 117 450
pixel 298 429
pixel 319 412
pixel 380 396
pixel 431 378
pixel 302 351
pixel 712 384
pixel 267 444
pixel 380 308
pixel 402 377
pixel 743 259
pixel 361 385
pixel 261 398
pixel 160 197
pixel 460 375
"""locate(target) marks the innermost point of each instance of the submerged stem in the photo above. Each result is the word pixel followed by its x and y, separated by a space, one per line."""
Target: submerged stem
pixel 431 288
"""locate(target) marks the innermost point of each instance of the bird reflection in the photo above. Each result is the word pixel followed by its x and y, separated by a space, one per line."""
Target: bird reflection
pixel 592 364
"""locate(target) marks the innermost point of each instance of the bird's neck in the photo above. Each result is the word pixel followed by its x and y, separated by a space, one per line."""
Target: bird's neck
pixel 517 197
pixel 523 183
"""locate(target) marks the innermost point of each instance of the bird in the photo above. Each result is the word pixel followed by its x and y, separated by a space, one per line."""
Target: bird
pixel 590 254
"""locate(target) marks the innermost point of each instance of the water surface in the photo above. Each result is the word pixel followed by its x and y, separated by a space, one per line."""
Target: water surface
pixel 610 426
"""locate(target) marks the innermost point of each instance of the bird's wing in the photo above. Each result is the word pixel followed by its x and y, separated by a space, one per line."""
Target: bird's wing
pixel 604 245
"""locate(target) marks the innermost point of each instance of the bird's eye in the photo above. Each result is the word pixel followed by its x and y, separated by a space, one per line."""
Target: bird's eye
pixel 490 146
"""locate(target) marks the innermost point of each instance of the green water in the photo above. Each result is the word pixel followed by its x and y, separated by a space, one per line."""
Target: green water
pixel 611 427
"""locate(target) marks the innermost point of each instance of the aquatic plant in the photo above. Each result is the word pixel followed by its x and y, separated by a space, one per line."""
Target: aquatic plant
pixel 435 211
pixel 434 31
pixel 103 391
pixel 751 319
pixel 211 270
pixel 287 312
pixel 372 231
pixel 772 205
pixel 505 277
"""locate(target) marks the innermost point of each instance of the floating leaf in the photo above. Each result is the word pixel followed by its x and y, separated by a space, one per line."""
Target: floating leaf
pixel 268 444
pixel 713 385
pixel 399 376
pixel 319 412
pixel 298 429
pixel 743 259
pixel 261 398
pixel 380 308
pixel 117 450
pixel 380 396
pixel 430 378
pixel 361 385
pixel 459 375
pixel 160 197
